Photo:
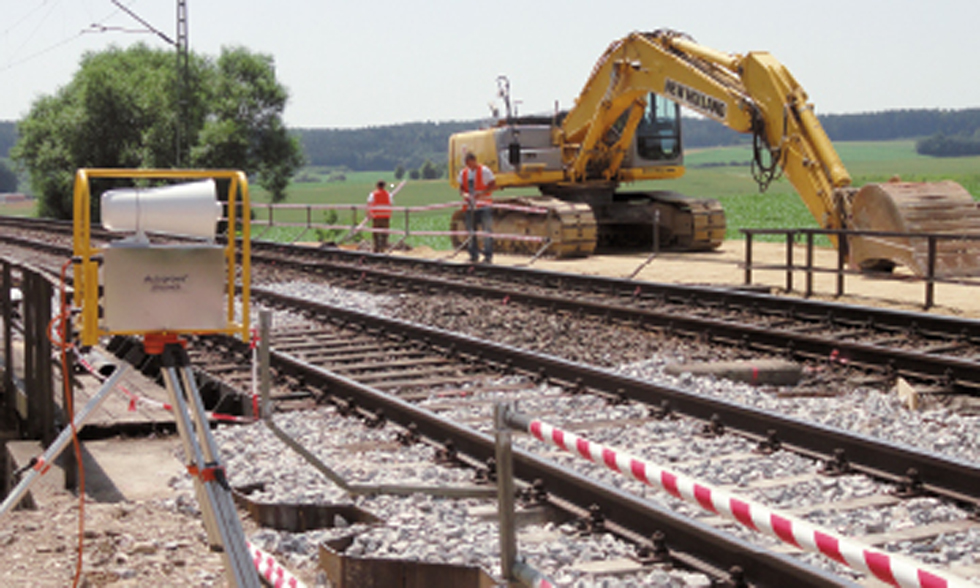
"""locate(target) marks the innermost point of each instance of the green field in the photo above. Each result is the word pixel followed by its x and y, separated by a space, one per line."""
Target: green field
pixel 745 206
pixel 731 183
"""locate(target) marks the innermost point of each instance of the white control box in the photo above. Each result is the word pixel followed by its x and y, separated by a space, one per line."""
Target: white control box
pixel 164 288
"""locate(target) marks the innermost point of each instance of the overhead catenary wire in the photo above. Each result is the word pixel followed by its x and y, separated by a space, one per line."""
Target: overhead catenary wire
pixel 99 26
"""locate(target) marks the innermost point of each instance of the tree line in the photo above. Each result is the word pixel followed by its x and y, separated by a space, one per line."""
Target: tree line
pixel 888 125
pixel 408 145
pixel 419 148
pixel 411 145
pixel 943 145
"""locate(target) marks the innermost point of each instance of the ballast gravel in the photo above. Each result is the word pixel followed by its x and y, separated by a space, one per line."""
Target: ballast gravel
pixel 461 540
pixel 416 527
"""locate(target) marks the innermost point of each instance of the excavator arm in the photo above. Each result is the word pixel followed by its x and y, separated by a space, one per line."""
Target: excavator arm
pixel 782 121
pixel 749 94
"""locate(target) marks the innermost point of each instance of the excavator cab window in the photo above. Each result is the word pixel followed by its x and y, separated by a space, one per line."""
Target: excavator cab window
pixel 658 136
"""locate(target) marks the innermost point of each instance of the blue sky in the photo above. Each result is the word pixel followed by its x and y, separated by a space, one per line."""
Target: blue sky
pixel 362 63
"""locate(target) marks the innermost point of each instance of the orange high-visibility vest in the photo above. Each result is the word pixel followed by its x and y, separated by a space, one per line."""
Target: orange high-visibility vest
pixel 482 200
pixel 379 205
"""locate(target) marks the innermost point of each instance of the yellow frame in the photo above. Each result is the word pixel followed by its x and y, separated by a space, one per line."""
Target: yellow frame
pixel 87 270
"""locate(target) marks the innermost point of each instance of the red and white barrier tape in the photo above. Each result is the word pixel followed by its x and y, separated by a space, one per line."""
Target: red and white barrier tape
pixel 497 236
pixel 269 568
pixel 410 209
pixel 135 400
pixel 890 568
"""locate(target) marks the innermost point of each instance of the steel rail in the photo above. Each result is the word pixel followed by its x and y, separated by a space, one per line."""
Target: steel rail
pixel 942 475
pixel 950 371
pixel 693 543
pixel 721 297
pixel 710 296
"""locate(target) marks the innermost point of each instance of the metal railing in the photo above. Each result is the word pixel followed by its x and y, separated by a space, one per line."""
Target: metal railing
pixel 359 221
pixel 28 402
pixel 809 268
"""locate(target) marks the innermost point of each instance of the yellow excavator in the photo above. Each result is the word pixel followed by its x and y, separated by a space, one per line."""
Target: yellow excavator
pixel 625 126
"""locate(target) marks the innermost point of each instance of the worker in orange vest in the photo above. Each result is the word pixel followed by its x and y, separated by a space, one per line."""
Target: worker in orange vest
pixel 476 183
pixel 379 205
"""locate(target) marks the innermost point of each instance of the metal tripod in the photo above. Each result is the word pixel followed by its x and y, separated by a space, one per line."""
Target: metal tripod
pixel 201 453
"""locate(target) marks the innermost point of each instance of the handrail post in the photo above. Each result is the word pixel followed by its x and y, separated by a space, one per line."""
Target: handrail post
pixel 10 394
pixel 68 462
pixel 505 493
pixel 931 273
pixel 265 378
pixel 841 255
pixel 28 316
pixel 809 265
pixel 748 258
pixel 45 389
pixel 790 239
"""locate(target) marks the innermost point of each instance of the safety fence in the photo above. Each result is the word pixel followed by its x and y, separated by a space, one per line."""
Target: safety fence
pixel 929 279
pixel 893 569
pixel 269 216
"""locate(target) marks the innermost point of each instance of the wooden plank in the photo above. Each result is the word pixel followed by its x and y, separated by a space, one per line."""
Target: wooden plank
pixel 874 500
pixel 919 532
pixel 408 375
pixel 368 367
pixel 394 384
pixel 377 353
pixel 318 344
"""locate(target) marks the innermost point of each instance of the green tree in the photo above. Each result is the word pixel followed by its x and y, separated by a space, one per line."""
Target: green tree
pixel 119 111
pixel 8 179
pixel 399 172
pixel 429 171
pixel 414 174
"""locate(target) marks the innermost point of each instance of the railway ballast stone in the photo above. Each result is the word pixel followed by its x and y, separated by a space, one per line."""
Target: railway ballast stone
pixel 776 372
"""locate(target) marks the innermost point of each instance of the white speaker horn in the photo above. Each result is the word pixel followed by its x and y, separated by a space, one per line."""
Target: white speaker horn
pixel 190 209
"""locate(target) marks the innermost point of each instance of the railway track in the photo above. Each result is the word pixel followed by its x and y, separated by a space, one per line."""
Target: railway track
pixel 942 354
pixel 939 354
pixel 374 367
pixel 379 369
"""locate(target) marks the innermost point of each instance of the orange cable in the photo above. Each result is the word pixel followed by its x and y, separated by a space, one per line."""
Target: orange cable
pixel 64 345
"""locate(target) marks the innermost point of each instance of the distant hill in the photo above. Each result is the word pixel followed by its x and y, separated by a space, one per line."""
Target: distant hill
pixel 889 125
pixel 385 147
pixel 411 144
pixel 380 148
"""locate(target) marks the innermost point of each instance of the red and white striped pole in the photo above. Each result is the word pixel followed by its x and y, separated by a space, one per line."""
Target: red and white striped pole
pixel 152 403
pixel 269 568
pixel 531 577
pixel 887 567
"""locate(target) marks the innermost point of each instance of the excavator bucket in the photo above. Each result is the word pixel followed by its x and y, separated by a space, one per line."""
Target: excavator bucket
pixel 944 208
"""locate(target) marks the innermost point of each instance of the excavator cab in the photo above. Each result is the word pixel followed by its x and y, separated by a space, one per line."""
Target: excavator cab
pixel 632 220
pixel 658 135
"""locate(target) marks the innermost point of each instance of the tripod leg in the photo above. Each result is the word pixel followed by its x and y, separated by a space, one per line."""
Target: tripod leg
pixel 208 470
pixel 61 442
pixel 192 453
